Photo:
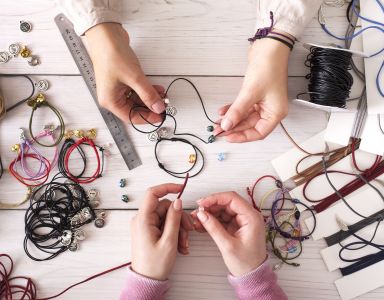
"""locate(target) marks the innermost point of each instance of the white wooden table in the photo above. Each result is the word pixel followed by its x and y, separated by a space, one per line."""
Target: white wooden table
pixel 205 41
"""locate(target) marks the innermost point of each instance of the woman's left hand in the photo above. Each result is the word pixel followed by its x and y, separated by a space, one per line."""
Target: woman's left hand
pixel 159 230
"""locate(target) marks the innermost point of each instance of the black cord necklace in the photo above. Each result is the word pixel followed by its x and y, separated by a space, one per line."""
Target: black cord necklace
pixel 159 138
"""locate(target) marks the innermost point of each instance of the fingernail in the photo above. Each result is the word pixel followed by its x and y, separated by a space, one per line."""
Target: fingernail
pixel 177 204
pixel 203 217
pixel 226 124
pixel 158 107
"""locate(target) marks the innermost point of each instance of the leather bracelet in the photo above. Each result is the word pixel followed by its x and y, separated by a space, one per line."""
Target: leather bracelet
pixel 290 46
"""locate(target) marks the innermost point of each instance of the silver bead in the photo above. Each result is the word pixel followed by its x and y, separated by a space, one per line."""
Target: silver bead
pixel 163 132
pixel 171 110
pixel 92 194
pixel 86 213
pixel 66 238
pixel 4 57
pixel 80 235
pixel 94 203
pixel 153 136
pixel 74 246
pixel 33 61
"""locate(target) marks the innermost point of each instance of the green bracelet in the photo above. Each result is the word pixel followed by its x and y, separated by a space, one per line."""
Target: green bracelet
pixel 40 101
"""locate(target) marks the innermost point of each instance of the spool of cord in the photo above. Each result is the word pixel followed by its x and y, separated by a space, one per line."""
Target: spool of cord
pixel 329 79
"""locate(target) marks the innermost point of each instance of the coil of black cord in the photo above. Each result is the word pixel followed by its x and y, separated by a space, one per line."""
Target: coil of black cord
pixel 54 219
pixel 330 81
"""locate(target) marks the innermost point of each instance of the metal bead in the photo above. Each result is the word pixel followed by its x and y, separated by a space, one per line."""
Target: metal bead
pixel 79 133
pixel 122 182
pixel 74 246
pixel 92 194
pixel 163 132
pixel 40 98
pixel 125 198
pixel 192 158
pixel 42 85
pixel 153 136
pixel 14 49
pixel 221 156
pixel 34 61
pixel 94 203
pixel 91 133
pixel 76 204
pixel 25 26
pixel 15 148
pixel 80 235
pixel 211 139
pixel 86 213
pixel 171 110
pixel 68 134
pixel 25 52
pixel 210 128
pixel 4 57
pixel 66 238
pixel 99 222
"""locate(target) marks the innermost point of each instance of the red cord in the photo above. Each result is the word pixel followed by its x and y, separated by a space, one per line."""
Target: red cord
pixel 95 175
pixel 27 180
pixel 29 291
pixel 184 185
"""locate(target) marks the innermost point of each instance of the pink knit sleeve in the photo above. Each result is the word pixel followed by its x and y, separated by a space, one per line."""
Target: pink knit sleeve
pixel 260 284
pixel 138 287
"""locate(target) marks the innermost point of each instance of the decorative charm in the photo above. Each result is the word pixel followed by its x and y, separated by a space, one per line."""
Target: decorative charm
pixel 99 222
pixel 122 182
pixel 221 156
pixel 163 132
pixel 34 61
pixel 25 26
pixel 171 110
pixel 210 128
pixel 192 158
pixel 91 133
pixel 125 198
pixel 74 246
pixel 80 235
pixel 68 134
pixel 42 85
pixel 25 52
pixel 14 49
pixel 153 136
pixel 211 139
pixel 66 238
pixel 79 133
pixel 92 194
pixel 4 57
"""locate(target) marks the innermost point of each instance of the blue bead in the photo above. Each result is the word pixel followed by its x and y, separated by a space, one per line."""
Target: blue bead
pixel 221 156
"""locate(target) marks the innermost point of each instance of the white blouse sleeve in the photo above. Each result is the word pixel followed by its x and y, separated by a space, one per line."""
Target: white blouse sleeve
pixel 85 14
pixel 291 16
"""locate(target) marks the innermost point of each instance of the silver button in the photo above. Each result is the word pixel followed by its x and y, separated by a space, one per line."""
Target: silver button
pixel 14 49
pixel 25 26
pixel 4 57
pixel 42 85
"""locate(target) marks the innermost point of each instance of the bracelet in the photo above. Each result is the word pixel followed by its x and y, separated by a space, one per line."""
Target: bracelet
pixel 290 46
pixel 284 36
pixel 35 104
pixel 26 198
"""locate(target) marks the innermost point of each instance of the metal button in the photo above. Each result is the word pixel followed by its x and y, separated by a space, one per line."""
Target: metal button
pixel 25 26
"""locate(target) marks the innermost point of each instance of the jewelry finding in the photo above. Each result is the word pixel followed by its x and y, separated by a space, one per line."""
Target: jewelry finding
pixel 14 49
pixel 192 158
pixel 25 26
pixel 163 132
pixel 25 52
pixel 210 128
pixel 34 61
pixel 4 57
pixel 122 182
pixel 99 222
pixel 42 85
pixel 171 110
pixel 153 136
pixel 211 139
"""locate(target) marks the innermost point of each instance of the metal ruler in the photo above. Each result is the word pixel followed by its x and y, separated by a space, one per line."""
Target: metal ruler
pixel 84 63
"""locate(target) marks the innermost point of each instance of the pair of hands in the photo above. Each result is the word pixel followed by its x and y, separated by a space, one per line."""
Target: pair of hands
pixel 260 105
pixel 160 230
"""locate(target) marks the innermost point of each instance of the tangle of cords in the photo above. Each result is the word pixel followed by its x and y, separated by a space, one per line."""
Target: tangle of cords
pixel 160 138
pixel 3 108
pixel 329 79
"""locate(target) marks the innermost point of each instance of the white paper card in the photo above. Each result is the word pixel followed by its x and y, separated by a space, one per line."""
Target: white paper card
pixel 372 139
pixel 339 128
pixel 366 202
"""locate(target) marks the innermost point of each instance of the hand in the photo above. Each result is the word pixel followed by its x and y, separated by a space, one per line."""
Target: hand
pixel 158 230
pixel 118 72
pixel 237 229
pixel 263 99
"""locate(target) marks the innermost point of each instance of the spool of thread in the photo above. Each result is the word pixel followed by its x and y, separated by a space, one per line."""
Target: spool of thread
pixel 329 78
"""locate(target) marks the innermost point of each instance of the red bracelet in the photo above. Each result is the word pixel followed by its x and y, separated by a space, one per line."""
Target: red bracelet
pixel 28 180
pixel 98 171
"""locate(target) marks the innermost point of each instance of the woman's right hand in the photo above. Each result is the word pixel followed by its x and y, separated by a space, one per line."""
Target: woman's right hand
pixel 118 72
pixel 237 229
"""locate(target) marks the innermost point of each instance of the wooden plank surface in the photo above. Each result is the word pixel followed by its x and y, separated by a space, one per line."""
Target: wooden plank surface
pixel 170 37
pixel 203 39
